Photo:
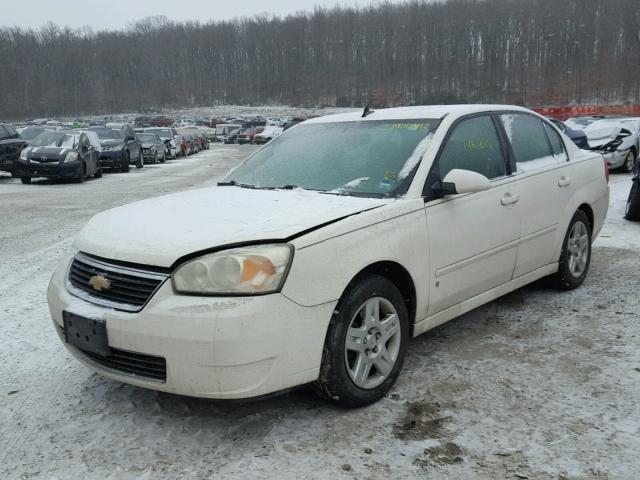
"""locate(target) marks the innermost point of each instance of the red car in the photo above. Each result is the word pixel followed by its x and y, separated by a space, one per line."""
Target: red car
pixel 246 136
pixel 162 122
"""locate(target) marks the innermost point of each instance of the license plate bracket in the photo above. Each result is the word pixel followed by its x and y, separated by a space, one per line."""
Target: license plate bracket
pixel 86 333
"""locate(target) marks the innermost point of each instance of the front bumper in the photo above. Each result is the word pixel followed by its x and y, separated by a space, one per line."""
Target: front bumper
pixel 48 169
pixel 215 347
pixel 112 158
pixel 616 159
pixel 149 155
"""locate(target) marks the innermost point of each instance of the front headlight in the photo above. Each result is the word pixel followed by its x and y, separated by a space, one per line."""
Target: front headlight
pixel 71 156
pixel 23 154
pixel 250 270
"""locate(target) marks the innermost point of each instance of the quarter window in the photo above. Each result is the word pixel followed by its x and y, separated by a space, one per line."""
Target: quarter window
pixel 529 142
pixel 473 145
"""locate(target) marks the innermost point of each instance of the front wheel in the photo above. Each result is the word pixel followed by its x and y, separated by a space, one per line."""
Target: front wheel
pixel 632 211
pixel 140 162
pixel 365 344
pixel 629 162
pixel 575 257
pixel 25 180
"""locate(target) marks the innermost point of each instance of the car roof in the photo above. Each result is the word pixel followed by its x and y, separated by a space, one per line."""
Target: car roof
pixel 402 113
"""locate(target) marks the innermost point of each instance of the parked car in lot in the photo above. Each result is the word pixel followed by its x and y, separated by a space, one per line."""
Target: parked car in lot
pixel 120 147
pixel 162 122
pixel 10 147
pixel 618 140
pixel 318 257
pixel 61 154
pixel 153 148
pixel 632 210
pixel 248 134
pixel 269 133
pixel 577 136
pixel 168 136
pixel 223 130
pixel 143 121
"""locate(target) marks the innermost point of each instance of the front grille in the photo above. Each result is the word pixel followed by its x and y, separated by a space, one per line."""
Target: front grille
pixel 115 286
pixel 129 363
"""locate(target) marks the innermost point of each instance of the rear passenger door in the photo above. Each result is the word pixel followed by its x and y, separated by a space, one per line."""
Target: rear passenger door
pixel 538 157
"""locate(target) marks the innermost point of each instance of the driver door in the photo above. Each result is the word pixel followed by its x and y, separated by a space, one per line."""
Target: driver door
pixel 473 238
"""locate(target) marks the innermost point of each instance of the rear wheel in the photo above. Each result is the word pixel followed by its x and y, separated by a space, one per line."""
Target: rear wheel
pixel 365 344
pixel 632 211
pixel 25 180
pixel 575 257
pixel 98 173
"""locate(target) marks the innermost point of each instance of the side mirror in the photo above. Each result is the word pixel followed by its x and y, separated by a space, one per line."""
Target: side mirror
pixel 464 181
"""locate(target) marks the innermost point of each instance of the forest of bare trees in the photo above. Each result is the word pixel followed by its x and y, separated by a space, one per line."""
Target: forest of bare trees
pixel 532 52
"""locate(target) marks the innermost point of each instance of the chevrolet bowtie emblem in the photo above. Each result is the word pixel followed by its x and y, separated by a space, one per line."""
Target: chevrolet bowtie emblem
pixel 99 283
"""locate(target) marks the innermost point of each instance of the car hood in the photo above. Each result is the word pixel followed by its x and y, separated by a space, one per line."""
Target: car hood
pixel 111 143
pixel 48 152
pixel 601 133
pixel 161 230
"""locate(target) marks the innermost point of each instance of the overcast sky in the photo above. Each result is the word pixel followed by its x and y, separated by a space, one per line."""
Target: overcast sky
pixel 110 14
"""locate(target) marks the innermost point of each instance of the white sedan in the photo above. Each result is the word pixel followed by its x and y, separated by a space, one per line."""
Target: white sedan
pixel 321 255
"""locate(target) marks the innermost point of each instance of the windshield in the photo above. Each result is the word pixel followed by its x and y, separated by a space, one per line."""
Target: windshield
pixel 31 132
pixel 370 158
pixel 108 134
pixel 147 137
pixel 54 139
pixel 165 132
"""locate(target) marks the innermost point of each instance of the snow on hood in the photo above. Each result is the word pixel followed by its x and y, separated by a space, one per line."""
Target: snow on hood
pixel 158 231
pixel 600 133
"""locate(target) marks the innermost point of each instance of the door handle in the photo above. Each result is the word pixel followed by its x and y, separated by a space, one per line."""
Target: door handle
pixel 509 199
pixel 564 181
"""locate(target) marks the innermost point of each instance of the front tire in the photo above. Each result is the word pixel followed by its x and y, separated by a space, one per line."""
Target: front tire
pixel 632 211
pixel 629 162
pixel 366 343
pixel 25 180
pixel 575 257
pixel 140 162
pixel 125 167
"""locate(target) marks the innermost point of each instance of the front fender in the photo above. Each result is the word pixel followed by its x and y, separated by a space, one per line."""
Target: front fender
pixel 328 259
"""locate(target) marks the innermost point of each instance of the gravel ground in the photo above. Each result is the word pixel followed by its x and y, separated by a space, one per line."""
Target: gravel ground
pixel 538 384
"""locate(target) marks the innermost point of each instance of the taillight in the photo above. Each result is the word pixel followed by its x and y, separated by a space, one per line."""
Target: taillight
pixel 606 169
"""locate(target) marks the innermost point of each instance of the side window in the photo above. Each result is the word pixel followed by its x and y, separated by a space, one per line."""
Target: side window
pixel 473 145
pixel 3 133
pixel 11 131
pixel 529 141
pixel 557 146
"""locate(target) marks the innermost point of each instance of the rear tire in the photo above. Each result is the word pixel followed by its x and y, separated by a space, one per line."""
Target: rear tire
pixel 575 257
pixel 25 180
pixel 366 343
pixel 632 211
pixel 98 173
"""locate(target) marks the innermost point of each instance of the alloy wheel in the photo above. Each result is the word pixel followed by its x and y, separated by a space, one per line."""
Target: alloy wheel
pixel 372 342
pixel 578 249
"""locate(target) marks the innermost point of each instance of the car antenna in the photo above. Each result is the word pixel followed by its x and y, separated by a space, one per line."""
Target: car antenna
pixel 367 111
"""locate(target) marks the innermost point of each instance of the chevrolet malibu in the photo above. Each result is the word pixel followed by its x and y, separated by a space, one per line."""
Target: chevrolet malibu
pixel 318 258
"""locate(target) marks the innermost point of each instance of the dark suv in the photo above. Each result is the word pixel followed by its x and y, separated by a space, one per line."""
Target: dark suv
pixel 120 147
pixel 10 147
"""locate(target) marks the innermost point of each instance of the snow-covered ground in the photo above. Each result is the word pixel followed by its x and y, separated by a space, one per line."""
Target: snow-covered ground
pixel 538 384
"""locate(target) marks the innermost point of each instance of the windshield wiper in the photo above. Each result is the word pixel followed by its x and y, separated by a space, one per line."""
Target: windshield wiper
pixel 233 183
